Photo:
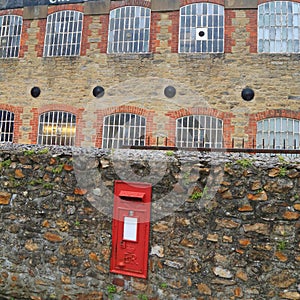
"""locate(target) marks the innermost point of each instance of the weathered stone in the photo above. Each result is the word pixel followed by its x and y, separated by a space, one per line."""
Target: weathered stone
pixel 157 250
pixel 78 191
pixel 290 295
pixel 261 196
pixel 227 239
pixel 280 185
pixel 282 280
pixel 221 272
pixel 256 185
pixel 225 282
pixel 291 215
pixel 227 223
pixel 281 256
pixel 203 289
pixel 139 286
pixel 65 279
pixel 4 198
pixel 173 264
pixel 241 275
pixel 53 237
pixel 31 246
pixel 19 173
pixel 258 227
pixel 160 227
pixel 212 237
pixel 93 256
pixel 244 242
pixel 187 243
pixel 274 172
pixel 245 208
pixel 238 292
pixel 194 266
pixel 227 195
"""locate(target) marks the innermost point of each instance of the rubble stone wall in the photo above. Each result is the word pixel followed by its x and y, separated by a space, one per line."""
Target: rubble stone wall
pixel 224 226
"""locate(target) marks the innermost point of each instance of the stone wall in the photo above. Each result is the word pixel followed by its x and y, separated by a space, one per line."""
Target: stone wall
pixel 137 81
pixel 224 226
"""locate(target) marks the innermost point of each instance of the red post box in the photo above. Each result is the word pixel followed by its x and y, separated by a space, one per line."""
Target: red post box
pixel 130 228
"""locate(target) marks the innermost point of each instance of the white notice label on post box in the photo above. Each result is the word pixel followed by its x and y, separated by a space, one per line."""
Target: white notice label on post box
pixel 130 229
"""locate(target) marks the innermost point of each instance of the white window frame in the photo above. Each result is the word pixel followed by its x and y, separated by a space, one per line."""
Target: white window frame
pixel 278 133
pixel 194 19
pixel 129 30
pixel 7 119
pixel 278 27
pixel 57 128
pixel 10 36
pixel 63 38
pixel 123 129
pixel 199 131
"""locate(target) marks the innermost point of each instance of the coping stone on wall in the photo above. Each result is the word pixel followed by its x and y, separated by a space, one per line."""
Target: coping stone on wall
pixel 241 4
pixel 35 12
pixel 100 7
pixel 165 5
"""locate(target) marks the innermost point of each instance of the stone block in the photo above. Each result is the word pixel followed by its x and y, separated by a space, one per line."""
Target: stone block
pixel 165 5
pixel 35 12
pixel 101 7
pixel 241 4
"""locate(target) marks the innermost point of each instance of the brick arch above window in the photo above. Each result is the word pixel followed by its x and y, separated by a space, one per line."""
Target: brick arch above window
pixel 36 112
pixel 265 1
pixel 142 3
pixel 226 117
pixel 251 128
pixel 101 114
pixel 187 2
pixel 56 8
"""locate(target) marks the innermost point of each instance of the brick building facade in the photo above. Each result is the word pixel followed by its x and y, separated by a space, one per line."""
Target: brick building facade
pixel 108 76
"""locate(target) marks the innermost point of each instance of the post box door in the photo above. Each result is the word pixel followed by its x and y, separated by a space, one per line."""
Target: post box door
pixel 131 226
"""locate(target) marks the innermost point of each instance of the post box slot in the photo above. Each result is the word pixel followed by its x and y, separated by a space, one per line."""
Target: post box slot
pixel 131 196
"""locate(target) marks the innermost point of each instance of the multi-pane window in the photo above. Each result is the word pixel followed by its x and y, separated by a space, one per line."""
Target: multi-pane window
pixel 63 33
pixel 57 128
pixel 129 30
pixel 199 131
pixel 10 35
pixel 7 119
pixel 123 129
pixel 278 133
pixel 201 28
pixel 279 27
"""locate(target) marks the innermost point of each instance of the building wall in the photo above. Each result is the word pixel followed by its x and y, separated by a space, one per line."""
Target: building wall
pixel 202 81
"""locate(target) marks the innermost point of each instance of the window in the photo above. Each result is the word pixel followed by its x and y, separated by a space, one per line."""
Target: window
pixel 129 30
pixel 10 35
pixel 201 28
pixel 63 33
pixel 123 129
pixel 7 125
pixel 57 128
pixel 199 131
pixel 278 133
pixel 278 27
